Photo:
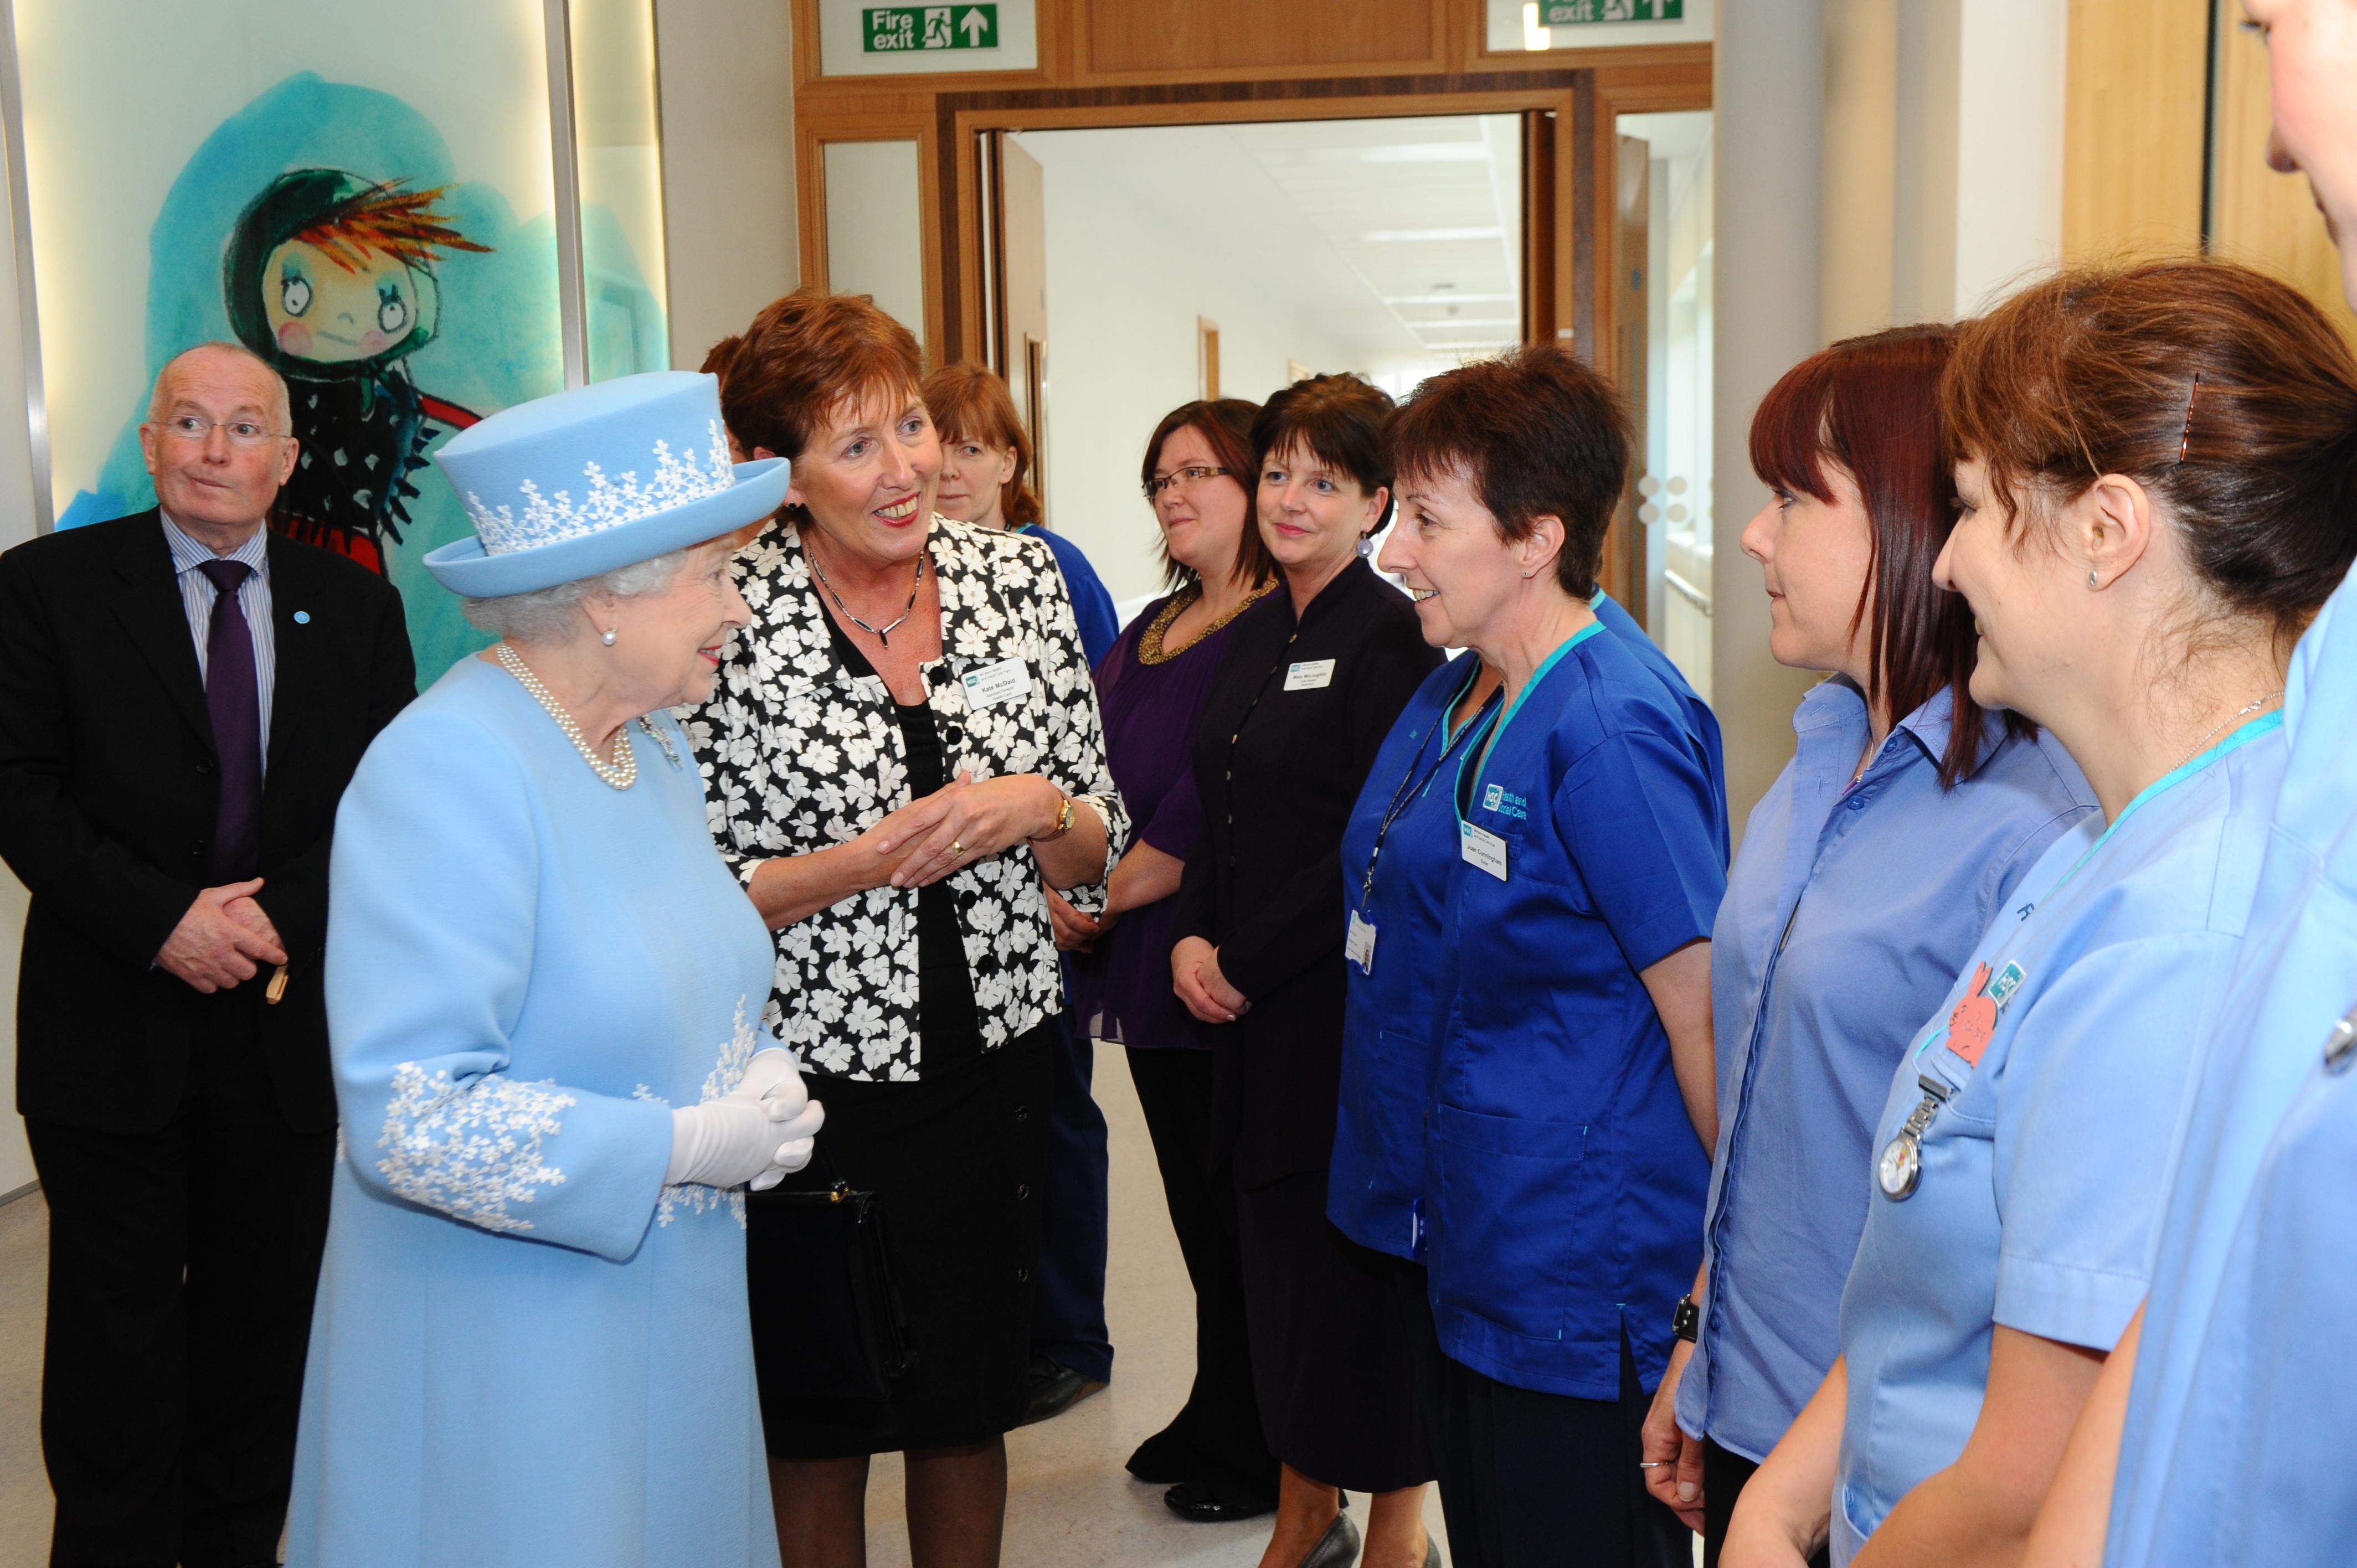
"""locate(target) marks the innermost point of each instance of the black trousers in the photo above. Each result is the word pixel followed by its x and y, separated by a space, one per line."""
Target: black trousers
pixel 1725 1473
pixel 1220 1419
pixel 1530 1479
pixel 1068 1311
pixel 181 1270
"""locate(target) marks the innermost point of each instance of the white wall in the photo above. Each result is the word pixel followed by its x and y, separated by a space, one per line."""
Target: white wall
pixel 726 71
pixel 1125 282
pixel 15 526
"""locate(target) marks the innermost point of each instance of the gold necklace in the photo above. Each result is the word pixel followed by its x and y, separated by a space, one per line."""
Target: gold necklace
pixel 1149 641
pixel 621 774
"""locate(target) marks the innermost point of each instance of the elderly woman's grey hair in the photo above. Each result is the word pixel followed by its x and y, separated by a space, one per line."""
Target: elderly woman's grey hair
pixel 552 615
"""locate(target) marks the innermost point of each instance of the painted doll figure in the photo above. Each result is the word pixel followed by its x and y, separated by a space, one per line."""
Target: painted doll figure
pixel 330 278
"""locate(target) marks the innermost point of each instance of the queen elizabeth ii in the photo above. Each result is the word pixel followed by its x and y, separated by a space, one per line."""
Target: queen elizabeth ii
pixel 544 992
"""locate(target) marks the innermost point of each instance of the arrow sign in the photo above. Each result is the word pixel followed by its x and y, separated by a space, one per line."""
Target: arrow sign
pixel 922 29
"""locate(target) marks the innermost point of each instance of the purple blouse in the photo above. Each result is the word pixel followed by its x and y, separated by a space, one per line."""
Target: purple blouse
pixel 1122 992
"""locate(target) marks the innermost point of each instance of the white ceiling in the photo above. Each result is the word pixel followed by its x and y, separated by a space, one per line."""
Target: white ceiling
pixel 1399 237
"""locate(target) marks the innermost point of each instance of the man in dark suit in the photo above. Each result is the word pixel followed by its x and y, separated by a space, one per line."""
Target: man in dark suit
pixel 183 697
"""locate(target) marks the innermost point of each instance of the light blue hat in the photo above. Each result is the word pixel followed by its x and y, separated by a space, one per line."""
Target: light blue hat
pixel 602 477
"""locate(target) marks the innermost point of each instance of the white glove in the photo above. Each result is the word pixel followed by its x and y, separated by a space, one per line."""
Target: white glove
pixel 744 1136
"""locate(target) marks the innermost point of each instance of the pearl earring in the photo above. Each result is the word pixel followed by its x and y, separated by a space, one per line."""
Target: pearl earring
pixel 611 633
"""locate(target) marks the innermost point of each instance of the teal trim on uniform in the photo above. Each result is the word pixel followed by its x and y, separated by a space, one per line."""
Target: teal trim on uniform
pixel 1507 717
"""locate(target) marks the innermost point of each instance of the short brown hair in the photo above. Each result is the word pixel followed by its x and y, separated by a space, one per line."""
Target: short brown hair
pixel 1535 434
pixel 971 404
pixel 720 356
pixel 803 358
pixel 1337 419
pixel 1225 424
pixel 2223 391
pixel 1871 404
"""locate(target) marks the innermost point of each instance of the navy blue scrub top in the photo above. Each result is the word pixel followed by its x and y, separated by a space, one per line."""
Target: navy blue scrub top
pixel 1375 1185
pixel 1564 1181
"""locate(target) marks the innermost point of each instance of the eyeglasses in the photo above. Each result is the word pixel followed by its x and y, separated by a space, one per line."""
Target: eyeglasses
pixel 1189 477
pixel 241 432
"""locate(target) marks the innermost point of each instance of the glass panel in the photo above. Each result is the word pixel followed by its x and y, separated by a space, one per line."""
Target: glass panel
pixel 1597 24
pixel 1676 486
pixel 860 39
pixel 875 243
pixel 294 178
pixel 619 158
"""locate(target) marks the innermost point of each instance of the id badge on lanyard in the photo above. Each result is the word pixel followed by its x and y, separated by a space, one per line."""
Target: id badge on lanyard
pixel 1970 1024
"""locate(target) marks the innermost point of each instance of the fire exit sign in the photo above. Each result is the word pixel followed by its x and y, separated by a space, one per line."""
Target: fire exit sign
pixel 916 30
pixel 1571 13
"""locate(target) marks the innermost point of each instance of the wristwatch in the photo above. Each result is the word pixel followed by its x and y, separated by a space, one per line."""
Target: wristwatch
pixel 1687 1321
pixel 1063 824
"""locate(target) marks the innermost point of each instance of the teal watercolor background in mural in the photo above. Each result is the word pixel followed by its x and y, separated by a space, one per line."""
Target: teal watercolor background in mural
pixel 496 342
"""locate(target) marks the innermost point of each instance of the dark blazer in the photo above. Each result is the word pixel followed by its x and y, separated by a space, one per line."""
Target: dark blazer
pixel 108 789
pixel 1279 772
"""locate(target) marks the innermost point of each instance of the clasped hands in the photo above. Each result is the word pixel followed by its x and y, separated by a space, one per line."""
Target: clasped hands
pixel 963 821
pixel 222 939
pixel 759 1132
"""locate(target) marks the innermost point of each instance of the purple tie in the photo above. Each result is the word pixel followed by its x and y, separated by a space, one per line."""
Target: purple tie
pixel 235 702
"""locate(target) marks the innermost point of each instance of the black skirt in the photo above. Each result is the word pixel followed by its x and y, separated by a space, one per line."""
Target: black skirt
pixel 956 1159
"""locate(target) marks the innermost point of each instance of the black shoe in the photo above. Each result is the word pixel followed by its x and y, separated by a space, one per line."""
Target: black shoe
pixel 1054 1389
pixel 1162 1458
pixel 1338 1548
pixel 1206 1502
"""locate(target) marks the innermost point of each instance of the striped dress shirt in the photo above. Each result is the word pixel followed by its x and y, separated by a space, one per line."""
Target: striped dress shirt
pixel 196 594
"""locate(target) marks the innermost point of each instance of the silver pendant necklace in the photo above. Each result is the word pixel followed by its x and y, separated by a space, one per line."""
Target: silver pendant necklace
pixel 880 633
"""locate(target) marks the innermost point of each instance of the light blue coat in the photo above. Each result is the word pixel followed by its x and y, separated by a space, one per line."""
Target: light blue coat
pixel 527 1350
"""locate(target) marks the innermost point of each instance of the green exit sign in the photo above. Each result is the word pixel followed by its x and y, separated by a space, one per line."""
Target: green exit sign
pixel 1572 13
pixel 914 29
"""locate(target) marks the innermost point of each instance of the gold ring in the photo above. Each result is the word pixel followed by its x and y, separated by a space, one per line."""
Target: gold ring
pixel 956 849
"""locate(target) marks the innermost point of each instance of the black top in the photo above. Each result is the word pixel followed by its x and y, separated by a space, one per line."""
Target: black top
pixel 944 987
pixel 1278 771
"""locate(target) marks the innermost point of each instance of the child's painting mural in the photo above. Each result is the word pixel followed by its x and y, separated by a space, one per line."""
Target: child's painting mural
pixel 324 227
pixel 330 278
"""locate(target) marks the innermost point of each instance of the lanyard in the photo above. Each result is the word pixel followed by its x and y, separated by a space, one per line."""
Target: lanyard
pixel 1411 786
pixel 1456 795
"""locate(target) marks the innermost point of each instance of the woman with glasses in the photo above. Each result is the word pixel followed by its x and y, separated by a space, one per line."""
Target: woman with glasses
pixel 1311 684
pixel 1152 686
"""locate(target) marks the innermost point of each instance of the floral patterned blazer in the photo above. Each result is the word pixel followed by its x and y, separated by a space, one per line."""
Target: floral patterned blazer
pixel 798 754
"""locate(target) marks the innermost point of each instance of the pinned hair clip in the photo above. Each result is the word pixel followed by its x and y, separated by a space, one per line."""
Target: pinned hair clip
pixel 2186 441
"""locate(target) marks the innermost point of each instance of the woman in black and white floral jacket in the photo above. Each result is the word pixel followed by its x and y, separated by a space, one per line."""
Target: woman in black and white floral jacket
pixel 901 747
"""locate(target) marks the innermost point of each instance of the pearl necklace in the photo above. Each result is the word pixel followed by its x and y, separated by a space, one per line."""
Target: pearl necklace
pixel 621 774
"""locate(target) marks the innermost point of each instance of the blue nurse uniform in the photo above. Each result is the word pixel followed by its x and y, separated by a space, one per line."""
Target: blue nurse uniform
pixel 1564 1180
pixel 1891 876
pixel 2196 1482
pixel 2042 1109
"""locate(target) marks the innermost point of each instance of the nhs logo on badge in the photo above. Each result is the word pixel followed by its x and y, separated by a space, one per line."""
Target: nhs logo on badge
pixel 1506 804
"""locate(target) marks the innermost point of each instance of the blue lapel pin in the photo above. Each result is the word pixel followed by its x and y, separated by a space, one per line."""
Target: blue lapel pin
pixel 302 618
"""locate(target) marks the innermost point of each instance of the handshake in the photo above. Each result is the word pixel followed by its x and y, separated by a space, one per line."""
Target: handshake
pixel 759 1132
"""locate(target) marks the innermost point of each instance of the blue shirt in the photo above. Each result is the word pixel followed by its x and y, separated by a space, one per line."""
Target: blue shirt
pixel 1376 1182
pixel 1894 879
pixel 196 596
pixel 2044 1169
pixel 2187 1456
pixel 1564 1180
pixel 1092 605
pixel 1701 722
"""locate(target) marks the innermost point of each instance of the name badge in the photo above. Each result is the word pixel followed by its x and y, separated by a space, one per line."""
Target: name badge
pixel 995 684
pixel 1310 676
pixel 1482 848
pixel 1359 944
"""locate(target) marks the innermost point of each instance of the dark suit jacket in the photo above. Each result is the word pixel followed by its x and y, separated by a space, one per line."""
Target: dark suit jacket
pixel 1279 772
pixel 109 790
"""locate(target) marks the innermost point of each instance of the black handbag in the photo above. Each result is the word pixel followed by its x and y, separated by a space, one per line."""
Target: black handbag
pixel 820 1278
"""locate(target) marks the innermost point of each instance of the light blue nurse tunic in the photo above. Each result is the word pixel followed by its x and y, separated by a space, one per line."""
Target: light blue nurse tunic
pixel 1892 877
pixel 527 1350
pixel 2044 1167
pixel 2212 1470
pixel 1564 1181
